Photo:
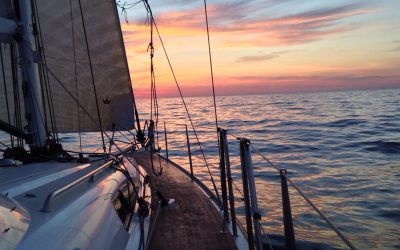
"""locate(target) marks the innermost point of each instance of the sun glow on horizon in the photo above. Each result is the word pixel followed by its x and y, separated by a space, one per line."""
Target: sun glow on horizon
pixel 267 46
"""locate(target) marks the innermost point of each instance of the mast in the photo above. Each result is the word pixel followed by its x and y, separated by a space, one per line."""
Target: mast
pixel 34 110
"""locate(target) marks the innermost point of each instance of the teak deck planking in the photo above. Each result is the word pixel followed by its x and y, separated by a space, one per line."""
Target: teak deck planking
pixel 193 221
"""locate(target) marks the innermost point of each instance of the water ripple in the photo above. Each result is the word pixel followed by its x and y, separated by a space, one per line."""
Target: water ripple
pixel 341 148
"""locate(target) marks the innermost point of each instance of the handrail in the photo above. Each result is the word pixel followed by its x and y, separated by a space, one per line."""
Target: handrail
pixel 51 196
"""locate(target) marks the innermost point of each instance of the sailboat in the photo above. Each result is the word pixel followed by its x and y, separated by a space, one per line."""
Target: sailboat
pixel 64 70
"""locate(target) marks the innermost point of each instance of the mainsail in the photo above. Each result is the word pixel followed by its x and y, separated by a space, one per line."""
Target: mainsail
pixel 67 29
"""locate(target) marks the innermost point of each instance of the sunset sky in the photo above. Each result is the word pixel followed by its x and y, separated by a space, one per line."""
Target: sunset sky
pixel 267 46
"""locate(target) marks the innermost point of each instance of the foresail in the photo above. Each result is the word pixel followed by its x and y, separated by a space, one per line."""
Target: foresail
pixel 62 24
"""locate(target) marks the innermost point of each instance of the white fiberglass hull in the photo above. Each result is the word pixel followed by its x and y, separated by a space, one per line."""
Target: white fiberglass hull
pixel 83 217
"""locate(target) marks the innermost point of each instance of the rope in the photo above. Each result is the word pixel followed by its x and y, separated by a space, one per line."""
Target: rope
pixel 186 108
pixel 85 153
pixel 125 142
pixel 71 95
pixel 76 75
pixel 326 219
pixel 92 75
pixel 212 165
pixel 211 71
pixel 124 7
pixel 34 102
pixel 49 95
pixel 215 167
pixel 153 99
pixel 111 141
pixel 128 176
pixel 133 135
pixel 266 236
pixel 130 161
pixel 40 71
pixel 237 189
pixel 152 164
pixel 4 145
pixel 17 103
pixel 331 225
pixel 265 158
pixel 6 93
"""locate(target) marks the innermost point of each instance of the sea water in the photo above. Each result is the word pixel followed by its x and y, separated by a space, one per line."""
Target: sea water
pixel 341 148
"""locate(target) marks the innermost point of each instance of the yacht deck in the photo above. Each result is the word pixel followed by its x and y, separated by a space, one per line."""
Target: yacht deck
pixel 192 222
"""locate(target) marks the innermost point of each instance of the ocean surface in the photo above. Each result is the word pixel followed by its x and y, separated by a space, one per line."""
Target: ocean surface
pixel 341 148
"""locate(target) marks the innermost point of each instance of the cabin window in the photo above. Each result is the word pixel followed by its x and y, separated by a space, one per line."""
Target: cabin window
pixel 124 203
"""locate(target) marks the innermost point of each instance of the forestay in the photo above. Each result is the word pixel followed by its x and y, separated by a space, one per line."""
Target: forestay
pixel 66 55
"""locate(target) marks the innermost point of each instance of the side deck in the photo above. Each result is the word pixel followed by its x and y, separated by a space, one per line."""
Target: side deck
pixel 192 222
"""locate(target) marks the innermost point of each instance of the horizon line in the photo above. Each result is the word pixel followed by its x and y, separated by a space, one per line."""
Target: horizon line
pixel 285 92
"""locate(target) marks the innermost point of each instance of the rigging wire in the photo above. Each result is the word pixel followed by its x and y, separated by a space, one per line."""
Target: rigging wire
pixel 122 153
pixel 316 209
pixel 130 142
pixel 72 96
pixel 233 182
pixel 4 145
pixel 153 98
pixel 6 93
pixel 45 73
pixel 266 236
pixel 93 81
pixel 124 6
pixel 17 103
pixel 34 102
pixel 76 75
pixel 124 129
pixel 186 108
pixel 95 152
pixel 322 215
pixel 40 71
pixel 211 70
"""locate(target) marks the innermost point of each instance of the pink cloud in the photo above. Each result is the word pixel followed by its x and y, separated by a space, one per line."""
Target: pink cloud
pixel 244 27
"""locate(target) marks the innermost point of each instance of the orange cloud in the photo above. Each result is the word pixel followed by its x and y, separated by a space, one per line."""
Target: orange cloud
pixel 299 28
pixel 242 40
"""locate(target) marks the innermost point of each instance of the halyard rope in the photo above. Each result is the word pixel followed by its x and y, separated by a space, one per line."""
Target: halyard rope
pixel 184 104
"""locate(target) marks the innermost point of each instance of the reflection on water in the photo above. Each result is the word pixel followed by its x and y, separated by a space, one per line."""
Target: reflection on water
pixel 341 148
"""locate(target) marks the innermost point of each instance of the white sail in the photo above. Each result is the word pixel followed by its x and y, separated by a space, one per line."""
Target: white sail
pixel 67 62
